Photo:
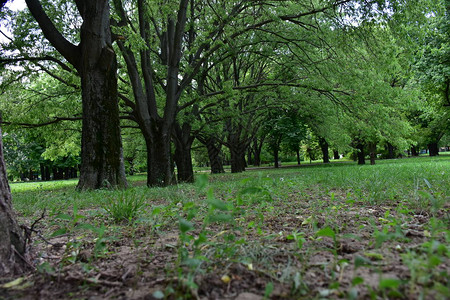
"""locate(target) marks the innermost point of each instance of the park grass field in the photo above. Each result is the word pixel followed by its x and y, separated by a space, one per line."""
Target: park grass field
pixel 319 231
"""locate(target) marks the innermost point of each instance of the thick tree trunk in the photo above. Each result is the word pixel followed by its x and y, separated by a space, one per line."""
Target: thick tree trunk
pixel 414 151
pixel 433 149
pixel 297 151
pixel 257 159
pixel 257 148
pixel 214 154
pixel 237 145
pixel 324 147
pixel 12 245
pixel 159 158
pixel 391 151
pixel 361 155
pixel 102 162
pixel 183 159
pixel 237 151
pixel 95 60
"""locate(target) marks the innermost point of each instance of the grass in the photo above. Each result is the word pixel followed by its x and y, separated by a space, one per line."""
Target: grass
pixel 317 231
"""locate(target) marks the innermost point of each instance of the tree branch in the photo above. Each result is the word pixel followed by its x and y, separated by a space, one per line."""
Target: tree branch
pixel 62 45
pixel 56 120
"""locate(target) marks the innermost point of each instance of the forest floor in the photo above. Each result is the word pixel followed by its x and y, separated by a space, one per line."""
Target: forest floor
pixel 326 232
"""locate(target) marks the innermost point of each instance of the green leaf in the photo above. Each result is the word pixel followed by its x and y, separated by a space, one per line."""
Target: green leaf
pixel 221 218
pixel 87 227
pixel 327 232
pixel 442 289
pixel 357 280
pixel 156 211
pixel 185 225
pixel 60 231
pixel 218 204
pixel 64 217
pixel 201 181
pixel 389 283
pixel 373 256
pixel 250 190
pixel 268 291
pixel 361 261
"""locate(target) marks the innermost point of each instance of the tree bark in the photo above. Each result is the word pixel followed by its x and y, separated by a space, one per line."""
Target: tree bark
pixel 276 157
pixel 257 148
pixel 336 154
pixel 324 147
pixel 183 158
pixel 361 155
pixel 391 151
pixel 237 163
pixel 250 156
pixel 433 149
pixel 414 151
pixel 214 153
pixel 12 246
pixel 297 151
pixel 102 162
pixel 159 158
pixel 372 152
pixel 95 60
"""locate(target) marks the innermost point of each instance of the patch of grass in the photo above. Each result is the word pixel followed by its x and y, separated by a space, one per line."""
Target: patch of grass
pixel 125 206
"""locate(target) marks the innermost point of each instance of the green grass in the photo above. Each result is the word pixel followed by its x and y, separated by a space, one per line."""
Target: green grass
pixel 286 223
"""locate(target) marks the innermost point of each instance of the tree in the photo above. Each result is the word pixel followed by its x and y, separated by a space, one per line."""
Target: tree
pixel 166 43
pixel 95 61
pixel 433 74
pixel 12 247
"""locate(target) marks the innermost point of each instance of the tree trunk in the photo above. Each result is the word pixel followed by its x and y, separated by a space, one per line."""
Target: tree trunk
pixel 391 151
pixel 215 159
pixel 12 246
pixel 95 60
pixel 324 147
pixel 237 145
pixel 414 151
pixel 372 152
pixel 237 163
pixel 433 149
pixel 250 156
pixel 276 157
pixel 159 158
pixel 336 154
pixel 102 162
pixel 361 154
pixel 257 148
pixel 183 159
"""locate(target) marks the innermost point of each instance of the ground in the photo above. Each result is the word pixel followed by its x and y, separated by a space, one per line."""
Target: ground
pixel 261 234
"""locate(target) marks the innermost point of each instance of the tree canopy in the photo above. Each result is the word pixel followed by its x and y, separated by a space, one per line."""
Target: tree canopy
pixel 364 74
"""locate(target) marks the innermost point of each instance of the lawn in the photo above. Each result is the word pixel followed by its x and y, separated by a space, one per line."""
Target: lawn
pixel 311 232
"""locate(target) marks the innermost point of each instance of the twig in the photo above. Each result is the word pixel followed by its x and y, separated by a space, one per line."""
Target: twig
pixel 22 258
